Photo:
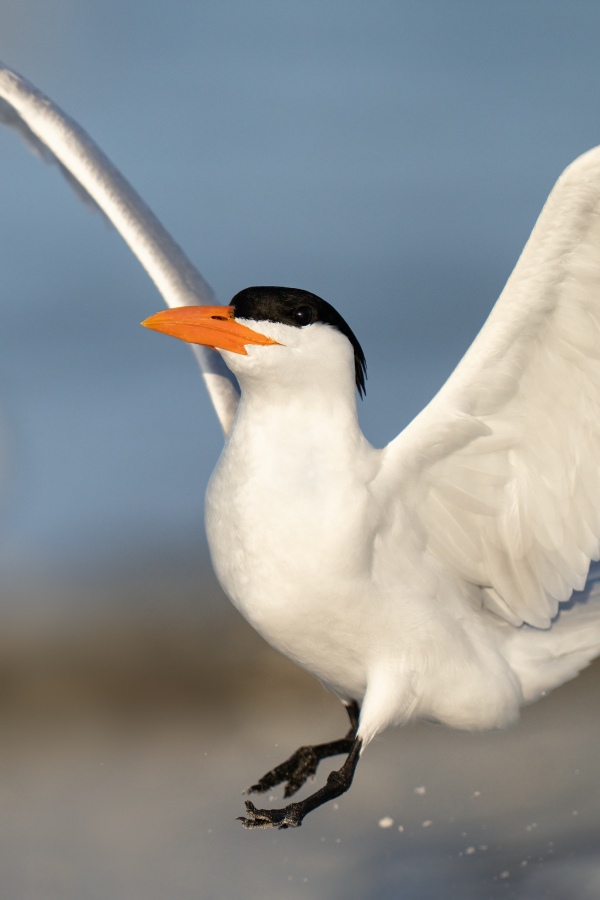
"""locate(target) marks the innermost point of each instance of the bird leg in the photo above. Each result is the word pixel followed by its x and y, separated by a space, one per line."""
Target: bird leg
pixel 292 815
pixel 304 762
pixel 295 771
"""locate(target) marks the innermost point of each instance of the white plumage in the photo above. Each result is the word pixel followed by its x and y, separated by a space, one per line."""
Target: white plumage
pixel 424 579
pixel 399 577
pixel 512 496
pixel 57 138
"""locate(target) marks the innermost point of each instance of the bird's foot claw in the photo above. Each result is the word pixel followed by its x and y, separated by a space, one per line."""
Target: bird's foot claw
pixel 270 818
pixel 295 771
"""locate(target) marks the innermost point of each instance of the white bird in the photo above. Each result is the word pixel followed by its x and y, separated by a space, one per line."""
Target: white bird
pixel 422 580
pixel 429 579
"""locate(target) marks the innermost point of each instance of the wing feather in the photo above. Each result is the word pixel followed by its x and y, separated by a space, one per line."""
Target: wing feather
pixel 58 138
pixel 507 454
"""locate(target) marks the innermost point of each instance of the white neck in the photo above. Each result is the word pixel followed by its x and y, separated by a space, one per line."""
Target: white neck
pixel 316 418
pixel 298 399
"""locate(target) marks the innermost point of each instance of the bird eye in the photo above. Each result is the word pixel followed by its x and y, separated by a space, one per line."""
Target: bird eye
pixel 303 315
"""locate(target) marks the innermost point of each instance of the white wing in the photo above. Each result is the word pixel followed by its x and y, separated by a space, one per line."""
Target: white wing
pixel 501 471
pixel 58 138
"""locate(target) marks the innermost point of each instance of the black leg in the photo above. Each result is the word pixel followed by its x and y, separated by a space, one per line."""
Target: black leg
pixel 304 762
pixel 291 816
pixel 296 770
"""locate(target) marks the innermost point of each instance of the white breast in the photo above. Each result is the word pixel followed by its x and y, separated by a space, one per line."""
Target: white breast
pixel 291 522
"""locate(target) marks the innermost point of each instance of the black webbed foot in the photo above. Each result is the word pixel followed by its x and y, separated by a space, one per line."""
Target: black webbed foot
pixel 292 815
pixel 269 818
pixel 296 770
pixel 303 764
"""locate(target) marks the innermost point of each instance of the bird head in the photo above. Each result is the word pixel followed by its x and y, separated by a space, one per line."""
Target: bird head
pixel 272 334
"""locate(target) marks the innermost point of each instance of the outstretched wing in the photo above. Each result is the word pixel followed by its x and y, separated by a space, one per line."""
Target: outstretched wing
pixel 50 132
pixel 501 471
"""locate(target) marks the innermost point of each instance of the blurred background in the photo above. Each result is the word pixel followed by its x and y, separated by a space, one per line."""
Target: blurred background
pixel 391 157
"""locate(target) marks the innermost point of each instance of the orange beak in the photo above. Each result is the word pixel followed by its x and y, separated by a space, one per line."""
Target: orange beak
pixel 213 326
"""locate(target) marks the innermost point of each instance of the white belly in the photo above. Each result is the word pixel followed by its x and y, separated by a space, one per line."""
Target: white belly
pixel 300 578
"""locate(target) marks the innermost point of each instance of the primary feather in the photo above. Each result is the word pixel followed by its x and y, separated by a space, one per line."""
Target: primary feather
pixel 56 137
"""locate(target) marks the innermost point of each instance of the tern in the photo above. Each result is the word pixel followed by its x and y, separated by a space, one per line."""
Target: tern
pixel 429 579
pixel 424 579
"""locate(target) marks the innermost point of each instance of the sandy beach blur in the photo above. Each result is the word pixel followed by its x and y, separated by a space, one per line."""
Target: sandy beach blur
pixel 130 731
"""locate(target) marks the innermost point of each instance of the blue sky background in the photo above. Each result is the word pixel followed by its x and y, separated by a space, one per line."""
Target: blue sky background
pixel 389 156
